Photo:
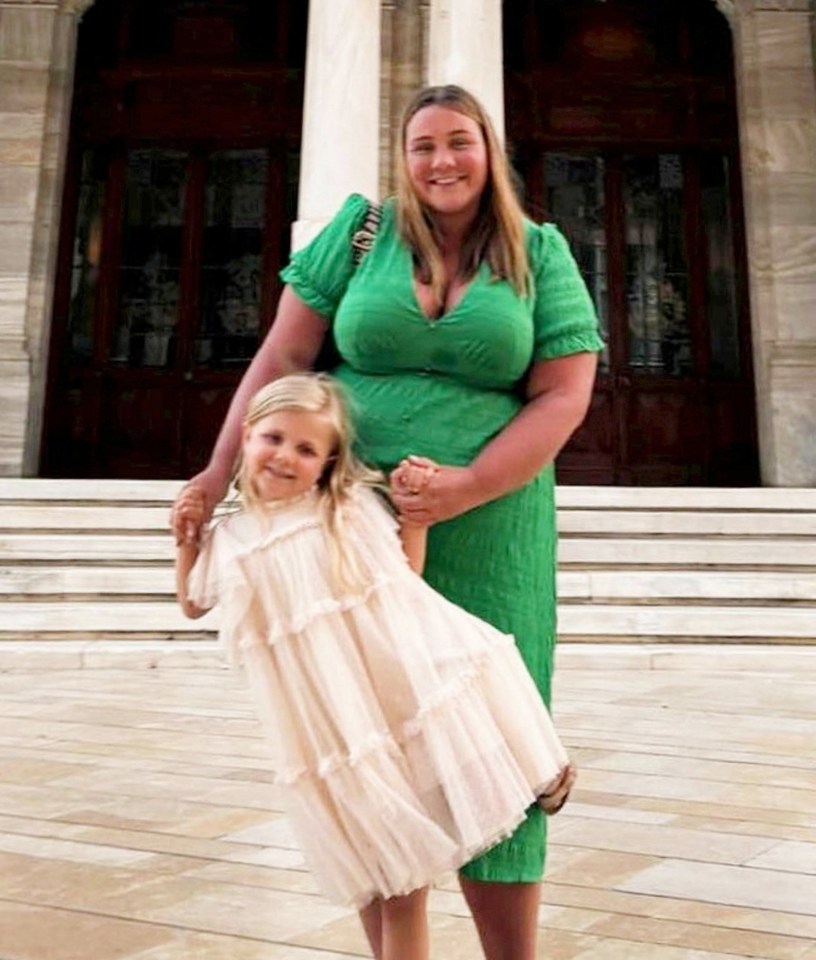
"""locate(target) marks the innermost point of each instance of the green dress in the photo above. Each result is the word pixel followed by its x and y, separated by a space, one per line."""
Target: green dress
pixel 442 389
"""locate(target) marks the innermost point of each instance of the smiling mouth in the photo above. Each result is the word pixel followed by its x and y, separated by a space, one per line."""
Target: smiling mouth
pixel 278 475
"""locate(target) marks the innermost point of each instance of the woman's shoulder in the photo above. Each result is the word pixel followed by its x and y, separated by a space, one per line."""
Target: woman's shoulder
pixel 542 237
pixel 547 247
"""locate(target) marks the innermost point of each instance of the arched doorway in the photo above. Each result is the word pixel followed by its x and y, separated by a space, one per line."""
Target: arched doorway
pixel 180 188
pixel 622 116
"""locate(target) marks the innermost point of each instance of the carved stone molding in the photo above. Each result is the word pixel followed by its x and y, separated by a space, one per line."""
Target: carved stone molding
pixel 728 8
pixel 732 9
pixel 76 7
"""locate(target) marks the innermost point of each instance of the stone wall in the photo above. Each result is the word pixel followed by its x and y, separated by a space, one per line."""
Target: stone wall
pixel 36 74
pixel 777 101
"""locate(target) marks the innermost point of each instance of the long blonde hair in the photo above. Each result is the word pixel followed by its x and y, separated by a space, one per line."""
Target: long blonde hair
pixel 318 394
pixel 498 236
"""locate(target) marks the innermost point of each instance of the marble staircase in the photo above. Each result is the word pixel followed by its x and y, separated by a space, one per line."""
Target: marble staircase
pixel 89 560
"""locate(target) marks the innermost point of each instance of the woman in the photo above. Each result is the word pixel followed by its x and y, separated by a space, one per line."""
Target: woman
pixel 467 336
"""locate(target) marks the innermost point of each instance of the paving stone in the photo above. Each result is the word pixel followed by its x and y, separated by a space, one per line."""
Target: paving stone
pixel 138 820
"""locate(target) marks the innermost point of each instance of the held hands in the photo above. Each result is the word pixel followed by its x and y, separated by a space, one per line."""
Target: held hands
pixel 425 492
pixel 193 507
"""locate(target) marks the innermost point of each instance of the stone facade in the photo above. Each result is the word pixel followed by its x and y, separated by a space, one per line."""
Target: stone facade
pixel 777 112
pixel 36 75
pixel 384 49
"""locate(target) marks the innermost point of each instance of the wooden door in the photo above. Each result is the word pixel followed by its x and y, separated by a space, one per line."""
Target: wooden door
pixel 628 143
pixel 180 188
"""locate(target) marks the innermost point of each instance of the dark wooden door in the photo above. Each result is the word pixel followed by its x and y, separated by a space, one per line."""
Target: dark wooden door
pixel 628 143
pixel 180 190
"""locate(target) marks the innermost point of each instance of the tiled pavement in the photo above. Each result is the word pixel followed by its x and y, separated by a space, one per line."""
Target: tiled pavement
pixel 138 821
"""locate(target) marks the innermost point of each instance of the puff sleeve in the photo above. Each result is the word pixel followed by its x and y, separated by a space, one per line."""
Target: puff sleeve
pixel 319 272
pixel 564 316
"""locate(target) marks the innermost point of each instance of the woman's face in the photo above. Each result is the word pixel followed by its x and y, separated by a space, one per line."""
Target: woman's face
pixel 446 158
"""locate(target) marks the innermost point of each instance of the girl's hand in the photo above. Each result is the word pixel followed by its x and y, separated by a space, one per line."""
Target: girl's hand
pixel 445 491
pixel 413 474
pixel 558 791
pixel 193 507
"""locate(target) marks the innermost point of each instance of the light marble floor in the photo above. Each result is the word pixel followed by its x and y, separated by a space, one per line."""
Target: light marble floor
pixel 138 820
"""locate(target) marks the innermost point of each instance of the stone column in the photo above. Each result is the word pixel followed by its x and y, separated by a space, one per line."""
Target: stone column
pixel 340 146
pixel 402 68
pixel 36 74
pixel 777 100
pixel 466 48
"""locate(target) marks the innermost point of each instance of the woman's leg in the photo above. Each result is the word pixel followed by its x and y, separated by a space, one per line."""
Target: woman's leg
pixel 506 916
pixel 405 927
pixel 371 918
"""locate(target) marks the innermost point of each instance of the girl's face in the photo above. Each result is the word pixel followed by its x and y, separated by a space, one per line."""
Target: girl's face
pixel 446 158
pixel 286 452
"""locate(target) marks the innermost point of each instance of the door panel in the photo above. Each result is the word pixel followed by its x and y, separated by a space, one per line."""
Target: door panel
pixel 627 141
pixel 180 188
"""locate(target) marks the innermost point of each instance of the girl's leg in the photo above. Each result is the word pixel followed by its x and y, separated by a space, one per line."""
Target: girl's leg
pixel 506 916
pixel 405 927
pixel 371 918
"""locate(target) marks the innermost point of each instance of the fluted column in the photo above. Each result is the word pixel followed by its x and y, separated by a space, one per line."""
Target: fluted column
pixel 465 47
pixel 340 145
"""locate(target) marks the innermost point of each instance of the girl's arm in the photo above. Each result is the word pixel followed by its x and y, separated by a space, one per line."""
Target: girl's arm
pixel 411 476
pixel 414 543
pixel 186 556
pixel 191 501
pixel 292 344
pixel 558 396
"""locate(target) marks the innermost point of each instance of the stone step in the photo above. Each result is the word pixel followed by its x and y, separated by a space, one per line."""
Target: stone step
pixel 592 621
pixel 103 616
pixel 49 517
pixel 93 559
pixel 87 582
pixel 88 518
pixel 161 492
pixel 597 621
pixel 683 552
pixel 686 586
pixel 91 582
pixel 583 552
pixel 686 523
pixel 664 499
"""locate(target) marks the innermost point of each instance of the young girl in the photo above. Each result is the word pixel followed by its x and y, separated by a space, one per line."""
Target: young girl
pixel 408 733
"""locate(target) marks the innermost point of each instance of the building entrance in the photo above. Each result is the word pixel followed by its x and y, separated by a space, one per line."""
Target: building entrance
pixel 627 139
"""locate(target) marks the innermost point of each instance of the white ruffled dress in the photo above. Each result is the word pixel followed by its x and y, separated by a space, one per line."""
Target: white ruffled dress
pixel 408 733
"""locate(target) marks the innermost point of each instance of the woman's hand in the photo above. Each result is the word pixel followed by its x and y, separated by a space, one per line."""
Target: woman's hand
pixel 194 505
pixel 426 493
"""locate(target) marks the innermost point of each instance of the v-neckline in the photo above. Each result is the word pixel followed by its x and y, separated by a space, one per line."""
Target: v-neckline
pixel 431 321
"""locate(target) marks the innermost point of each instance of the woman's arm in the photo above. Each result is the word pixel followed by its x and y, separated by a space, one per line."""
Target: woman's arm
pixel 292 344
pixel 558 396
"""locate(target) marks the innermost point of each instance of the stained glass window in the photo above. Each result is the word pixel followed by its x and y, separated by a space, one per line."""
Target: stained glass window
pixel 657 278
pixel 149 275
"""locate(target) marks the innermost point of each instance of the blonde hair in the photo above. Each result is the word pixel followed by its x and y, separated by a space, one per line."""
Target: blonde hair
pixel 322 396
pixel 498 236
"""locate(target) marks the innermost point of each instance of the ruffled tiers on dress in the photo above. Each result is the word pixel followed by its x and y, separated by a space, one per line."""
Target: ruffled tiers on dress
pixel 408 733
